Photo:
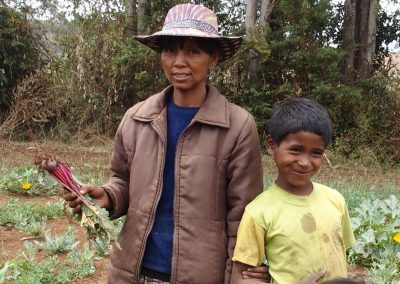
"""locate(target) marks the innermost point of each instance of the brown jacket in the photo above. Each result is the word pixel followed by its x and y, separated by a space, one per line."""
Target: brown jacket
pixel 217 172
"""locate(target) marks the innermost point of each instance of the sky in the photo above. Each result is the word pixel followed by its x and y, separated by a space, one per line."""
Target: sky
pixel 388 5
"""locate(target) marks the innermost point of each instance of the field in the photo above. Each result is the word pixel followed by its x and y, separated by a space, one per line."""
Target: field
pixel 57 243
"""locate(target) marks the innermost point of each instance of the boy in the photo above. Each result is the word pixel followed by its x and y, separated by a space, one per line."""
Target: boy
pixel 301 227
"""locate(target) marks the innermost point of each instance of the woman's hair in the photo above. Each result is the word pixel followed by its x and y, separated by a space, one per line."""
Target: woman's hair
pixel 299 114
pixel 209 45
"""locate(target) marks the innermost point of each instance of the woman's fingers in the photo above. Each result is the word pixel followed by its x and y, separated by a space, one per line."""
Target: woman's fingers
pixel 313 279
pixel 75 202
pixel 260 273
pixel 77 209
pixel 97 194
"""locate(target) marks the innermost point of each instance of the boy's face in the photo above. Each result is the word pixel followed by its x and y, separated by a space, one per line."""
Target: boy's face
pixel 298 158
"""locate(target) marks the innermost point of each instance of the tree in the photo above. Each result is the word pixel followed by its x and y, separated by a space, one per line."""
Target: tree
pixel 131 19
pixel 359 38
pixel 143 16
pixel 266 10
pixel 19 52
pixel 251 15
pixel 349 40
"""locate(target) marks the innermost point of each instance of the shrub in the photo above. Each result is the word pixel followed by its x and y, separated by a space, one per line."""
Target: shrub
pixel 19 53
pixel 29 180
pixel 375 223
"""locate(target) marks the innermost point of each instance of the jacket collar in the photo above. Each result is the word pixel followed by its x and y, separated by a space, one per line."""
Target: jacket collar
pixel 214 111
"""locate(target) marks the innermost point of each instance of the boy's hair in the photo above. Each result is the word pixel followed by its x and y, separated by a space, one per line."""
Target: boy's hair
pixel 299 114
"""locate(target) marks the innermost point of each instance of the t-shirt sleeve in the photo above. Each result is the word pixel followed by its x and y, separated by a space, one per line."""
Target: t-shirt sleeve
pixel 348 235
pixel 250 242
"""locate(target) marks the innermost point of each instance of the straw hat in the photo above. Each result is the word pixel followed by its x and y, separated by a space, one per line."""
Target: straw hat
pixel 192 21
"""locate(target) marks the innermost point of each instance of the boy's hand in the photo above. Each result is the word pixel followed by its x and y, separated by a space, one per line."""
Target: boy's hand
pixel 260 273
pixel 313 279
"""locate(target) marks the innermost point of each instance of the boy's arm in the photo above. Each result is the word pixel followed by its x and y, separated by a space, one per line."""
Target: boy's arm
pixel 348 235
pixel 249 251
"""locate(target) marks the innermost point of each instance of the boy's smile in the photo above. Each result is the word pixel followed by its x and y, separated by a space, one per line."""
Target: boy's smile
pixel 298 158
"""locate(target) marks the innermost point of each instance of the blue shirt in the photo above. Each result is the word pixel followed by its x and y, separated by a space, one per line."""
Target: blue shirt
pixel 158 252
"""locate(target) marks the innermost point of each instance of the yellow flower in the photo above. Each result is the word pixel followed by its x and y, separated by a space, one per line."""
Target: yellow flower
pixel 397 237
pixel 26 185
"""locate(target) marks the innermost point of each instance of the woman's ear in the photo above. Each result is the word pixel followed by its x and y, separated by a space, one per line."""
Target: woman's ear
pixel 214 58
pixel 270 145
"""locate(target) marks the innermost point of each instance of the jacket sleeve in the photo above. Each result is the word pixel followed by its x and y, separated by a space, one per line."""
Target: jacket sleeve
pixel 245 182
pixel 117 186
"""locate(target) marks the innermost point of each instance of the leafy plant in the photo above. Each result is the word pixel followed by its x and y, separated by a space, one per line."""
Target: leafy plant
pixel 16 214
pixel 28 180
pixel 79 264
pixel 56 244
pixel 375 224
pixel 26 269
pixel 31 250
pixel 93 218
pixel 35 229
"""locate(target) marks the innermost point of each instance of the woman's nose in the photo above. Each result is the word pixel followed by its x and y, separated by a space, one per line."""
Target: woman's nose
pixel 180 58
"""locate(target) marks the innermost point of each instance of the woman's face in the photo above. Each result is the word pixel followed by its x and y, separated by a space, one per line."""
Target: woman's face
pixel 186 65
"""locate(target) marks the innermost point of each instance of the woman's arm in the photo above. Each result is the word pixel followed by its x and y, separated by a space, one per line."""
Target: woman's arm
pixel 245 176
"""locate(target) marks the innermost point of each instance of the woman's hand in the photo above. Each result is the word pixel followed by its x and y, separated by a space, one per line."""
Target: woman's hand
pixel 313 279
pixel 260 273
pixel 98 195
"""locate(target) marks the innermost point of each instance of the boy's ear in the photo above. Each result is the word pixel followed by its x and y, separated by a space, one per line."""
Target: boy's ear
pixel 270 145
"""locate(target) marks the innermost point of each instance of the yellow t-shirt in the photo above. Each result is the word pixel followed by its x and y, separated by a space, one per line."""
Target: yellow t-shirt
pixel 298 235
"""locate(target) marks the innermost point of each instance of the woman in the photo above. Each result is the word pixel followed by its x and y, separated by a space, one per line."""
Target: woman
pixel 185 163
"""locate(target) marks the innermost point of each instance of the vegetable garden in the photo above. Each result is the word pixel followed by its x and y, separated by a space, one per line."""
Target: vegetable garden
pixel 72 76
pixel 42 243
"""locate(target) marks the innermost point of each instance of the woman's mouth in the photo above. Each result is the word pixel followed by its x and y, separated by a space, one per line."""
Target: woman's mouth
pixel 180 76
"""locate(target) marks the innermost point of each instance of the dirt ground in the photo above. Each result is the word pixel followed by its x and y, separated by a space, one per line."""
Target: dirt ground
pixel 11 240
pixel 83 159
pixel 86 159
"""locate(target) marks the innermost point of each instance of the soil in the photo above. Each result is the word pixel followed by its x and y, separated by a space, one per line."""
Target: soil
pixel 89 159
pixel 84 159
pixel 11 240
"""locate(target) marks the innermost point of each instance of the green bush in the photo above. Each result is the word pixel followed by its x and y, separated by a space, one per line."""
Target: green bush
pixel 19 53
pixel 375 223
pixel 16 214
pixel 29 180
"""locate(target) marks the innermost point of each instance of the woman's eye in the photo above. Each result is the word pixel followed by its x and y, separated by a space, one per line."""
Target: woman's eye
pixel 168 50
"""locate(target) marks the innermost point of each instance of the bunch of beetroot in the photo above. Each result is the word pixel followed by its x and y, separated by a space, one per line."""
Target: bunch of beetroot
pixel 99 229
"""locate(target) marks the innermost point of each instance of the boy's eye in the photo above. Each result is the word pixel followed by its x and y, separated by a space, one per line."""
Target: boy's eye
pixel 317 153
pixel 295 150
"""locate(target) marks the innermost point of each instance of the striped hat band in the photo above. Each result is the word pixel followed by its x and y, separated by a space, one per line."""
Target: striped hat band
pixel 190 20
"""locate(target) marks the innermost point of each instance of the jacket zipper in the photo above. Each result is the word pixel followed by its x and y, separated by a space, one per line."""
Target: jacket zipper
pixel 177 162
pixel 147 233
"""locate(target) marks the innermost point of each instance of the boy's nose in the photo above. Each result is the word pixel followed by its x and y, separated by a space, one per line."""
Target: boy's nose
pixel 304 161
